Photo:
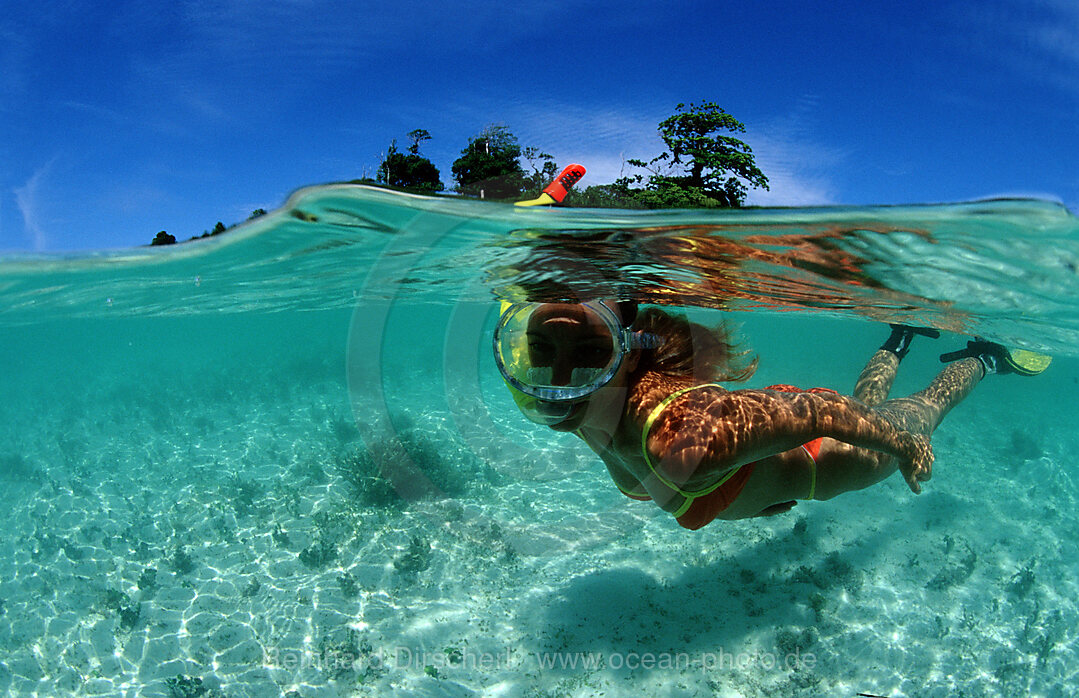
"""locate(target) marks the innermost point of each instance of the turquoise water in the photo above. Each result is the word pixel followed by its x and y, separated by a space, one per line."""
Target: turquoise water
pixel 281 462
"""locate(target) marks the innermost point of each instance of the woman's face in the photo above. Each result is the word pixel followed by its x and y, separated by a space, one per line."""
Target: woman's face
pixel 567 337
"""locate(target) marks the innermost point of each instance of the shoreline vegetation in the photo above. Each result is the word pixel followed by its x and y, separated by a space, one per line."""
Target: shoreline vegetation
pixel 702 167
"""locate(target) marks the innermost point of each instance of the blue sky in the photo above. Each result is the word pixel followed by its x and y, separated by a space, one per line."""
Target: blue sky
pixel 121 119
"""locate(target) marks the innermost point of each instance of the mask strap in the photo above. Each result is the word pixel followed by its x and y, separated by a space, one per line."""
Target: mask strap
pixel 645 340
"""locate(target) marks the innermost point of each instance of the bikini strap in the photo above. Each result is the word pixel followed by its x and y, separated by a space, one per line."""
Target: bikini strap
pixel 657 410
pixel 652 417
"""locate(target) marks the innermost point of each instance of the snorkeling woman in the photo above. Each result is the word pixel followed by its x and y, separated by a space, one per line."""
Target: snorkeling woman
pixel 642 389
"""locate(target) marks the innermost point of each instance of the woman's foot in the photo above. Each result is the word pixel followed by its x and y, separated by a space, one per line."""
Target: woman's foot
pixel 899 340
pixel 996 358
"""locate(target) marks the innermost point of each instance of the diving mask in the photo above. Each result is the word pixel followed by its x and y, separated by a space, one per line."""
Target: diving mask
pixel 560 353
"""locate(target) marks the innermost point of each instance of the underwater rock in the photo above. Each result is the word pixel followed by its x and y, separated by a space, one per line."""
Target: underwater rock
pixel 252 588
pixel 46 545
pixel 344 430
pixel 414 560
pixel 181 562
pixel 15 467
pixel 348 585
pixel 114 599
pixel 71 551
pixel 336 525
pixel 793 644
pixel 1024 447
pixel 319 554
pixel 182 686
pixel 120 603
pixel 833 572
pixel 801 530
pixel 341 657
pixel 1022 582
pixel 958 566
pixel 413 464
pixel 819 603
pixel 148 579
pixel 245 495
pixel 365 481
pixel 129 616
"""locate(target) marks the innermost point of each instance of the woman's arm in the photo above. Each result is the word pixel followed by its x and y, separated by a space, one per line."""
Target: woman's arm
pixel 709 431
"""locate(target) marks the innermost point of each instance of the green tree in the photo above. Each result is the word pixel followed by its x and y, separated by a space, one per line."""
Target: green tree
pixel 489 166
pixel 616 195
pixel 410 171
pixel 702 167
pixel 163 238
pixel 544 170
pixel 417 136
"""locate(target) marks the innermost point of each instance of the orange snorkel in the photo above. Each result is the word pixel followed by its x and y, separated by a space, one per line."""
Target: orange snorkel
pixel 556 191
pixel 553 193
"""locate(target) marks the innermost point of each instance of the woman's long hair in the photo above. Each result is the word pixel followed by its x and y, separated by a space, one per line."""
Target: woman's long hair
pixel 691 350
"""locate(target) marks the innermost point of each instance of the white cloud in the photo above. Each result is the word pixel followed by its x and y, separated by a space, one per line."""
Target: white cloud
pixel 14 52
pixel 96 111
pixel 601 140
pixel 797 170
pixel 27 200
pixel 598 138
pixel 797 164
pixel 1059 33
pixel 302 41
pixel 1036 40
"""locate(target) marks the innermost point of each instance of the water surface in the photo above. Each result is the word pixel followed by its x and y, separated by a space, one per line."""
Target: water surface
pixel 190 440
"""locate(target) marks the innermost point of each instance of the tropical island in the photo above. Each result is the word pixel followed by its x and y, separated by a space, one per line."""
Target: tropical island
pixel 703 166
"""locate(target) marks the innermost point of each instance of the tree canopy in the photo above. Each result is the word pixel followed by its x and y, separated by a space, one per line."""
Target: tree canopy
pixel 544 170
pixel 412 170
pixel 417 136
pixel 489 166
pixel 702 167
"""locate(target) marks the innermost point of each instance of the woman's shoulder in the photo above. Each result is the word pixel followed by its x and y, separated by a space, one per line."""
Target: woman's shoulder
pixel 653 389
pixel 670 410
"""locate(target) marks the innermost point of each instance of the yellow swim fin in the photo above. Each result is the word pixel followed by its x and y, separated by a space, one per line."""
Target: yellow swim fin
pixel 1026 363
pixel 999 359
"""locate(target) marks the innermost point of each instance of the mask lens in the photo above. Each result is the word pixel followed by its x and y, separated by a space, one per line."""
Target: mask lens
pixel 558 352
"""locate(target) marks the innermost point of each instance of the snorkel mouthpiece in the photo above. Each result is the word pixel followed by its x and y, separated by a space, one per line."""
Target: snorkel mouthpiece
pixel 548 413
pixel 538 411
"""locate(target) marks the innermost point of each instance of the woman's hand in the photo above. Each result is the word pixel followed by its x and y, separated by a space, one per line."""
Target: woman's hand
pixel 916 460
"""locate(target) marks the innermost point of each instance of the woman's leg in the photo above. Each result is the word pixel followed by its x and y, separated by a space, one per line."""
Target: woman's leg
pixel 875 381
pixel 843 468
pixel 923 411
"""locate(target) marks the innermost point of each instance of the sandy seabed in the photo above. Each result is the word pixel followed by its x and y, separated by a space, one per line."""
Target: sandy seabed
pixel 237 540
